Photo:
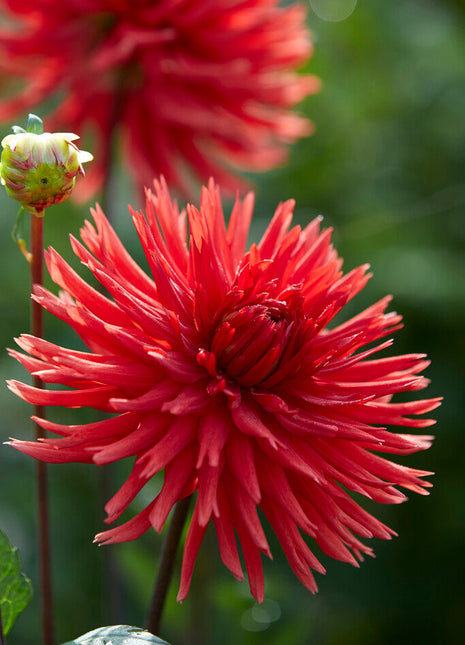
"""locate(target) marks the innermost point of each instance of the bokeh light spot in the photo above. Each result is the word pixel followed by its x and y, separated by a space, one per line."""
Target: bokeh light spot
pixel 333 10
pixel 268 611
pixel 249 623
pixel 259 617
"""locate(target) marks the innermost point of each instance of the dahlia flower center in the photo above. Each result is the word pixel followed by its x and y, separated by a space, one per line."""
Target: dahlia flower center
pixel 248 343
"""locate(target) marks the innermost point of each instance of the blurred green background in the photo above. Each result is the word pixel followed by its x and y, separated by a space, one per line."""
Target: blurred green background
pixel 386 167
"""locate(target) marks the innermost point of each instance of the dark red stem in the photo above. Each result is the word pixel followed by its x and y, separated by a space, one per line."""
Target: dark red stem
pixel 165 569
pixel 37 329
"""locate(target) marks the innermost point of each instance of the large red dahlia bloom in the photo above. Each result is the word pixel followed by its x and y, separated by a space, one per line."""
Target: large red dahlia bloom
pixel 191 85
pixel 223 370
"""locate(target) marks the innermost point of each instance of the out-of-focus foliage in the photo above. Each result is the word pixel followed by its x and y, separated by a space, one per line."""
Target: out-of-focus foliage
pixel 15 587
pixel 386 167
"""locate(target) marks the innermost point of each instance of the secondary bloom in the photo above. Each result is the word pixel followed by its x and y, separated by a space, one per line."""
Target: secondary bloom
pixel 193 87
pixel 40 169
pixel 223 369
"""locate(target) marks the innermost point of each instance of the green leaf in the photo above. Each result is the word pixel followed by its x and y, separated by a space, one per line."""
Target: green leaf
pixel 15 587
pixel 117 635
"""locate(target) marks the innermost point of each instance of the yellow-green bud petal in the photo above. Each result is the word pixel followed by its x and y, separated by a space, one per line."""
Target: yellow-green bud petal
pixel 39 170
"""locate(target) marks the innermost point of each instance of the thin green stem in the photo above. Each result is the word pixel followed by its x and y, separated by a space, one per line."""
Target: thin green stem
pixel 37 329
pixel 167 560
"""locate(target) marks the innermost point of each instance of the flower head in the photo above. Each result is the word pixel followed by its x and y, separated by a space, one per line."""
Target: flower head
pixel 223 369
pixel 39 169
pixel 193 87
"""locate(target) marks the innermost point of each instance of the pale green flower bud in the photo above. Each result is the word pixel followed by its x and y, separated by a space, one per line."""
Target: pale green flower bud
pixel 38 168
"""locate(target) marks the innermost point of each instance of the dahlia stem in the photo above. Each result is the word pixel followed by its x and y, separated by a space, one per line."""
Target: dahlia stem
pixel 167 560
pixel 37 329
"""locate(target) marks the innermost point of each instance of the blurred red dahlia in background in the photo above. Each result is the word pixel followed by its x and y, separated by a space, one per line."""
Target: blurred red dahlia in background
pixel 194 87
pixel 223 370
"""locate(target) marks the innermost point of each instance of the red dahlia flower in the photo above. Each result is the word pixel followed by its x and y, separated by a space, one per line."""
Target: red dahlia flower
pixel 223 370
pixel 190 85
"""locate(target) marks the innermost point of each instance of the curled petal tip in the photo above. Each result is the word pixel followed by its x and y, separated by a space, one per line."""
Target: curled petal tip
pixel 85 156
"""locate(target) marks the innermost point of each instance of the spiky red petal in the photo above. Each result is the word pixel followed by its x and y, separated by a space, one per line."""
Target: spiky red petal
pixel 223 369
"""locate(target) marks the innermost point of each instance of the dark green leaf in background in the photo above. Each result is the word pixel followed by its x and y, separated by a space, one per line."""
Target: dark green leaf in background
pixel 15 587
pixel 117 635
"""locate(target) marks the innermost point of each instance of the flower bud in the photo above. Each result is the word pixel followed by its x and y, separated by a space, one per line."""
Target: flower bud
pixel 39 169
